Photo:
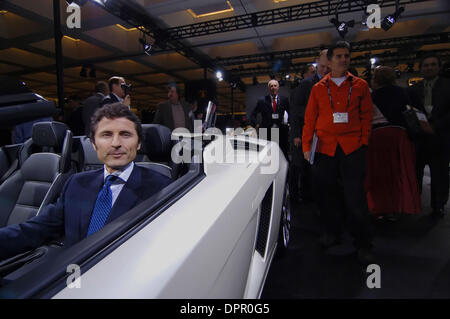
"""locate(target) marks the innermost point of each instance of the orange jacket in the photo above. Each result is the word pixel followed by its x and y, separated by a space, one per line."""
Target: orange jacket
pixel 319 116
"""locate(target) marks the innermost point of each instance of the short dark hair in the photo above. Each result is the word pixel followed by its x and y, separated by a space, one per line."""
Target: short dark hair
pixel 428 56
pixel 175 86
pixel 338 45
pixel 115 80
pixel 384 75
pixel 114 111
pixel 102 87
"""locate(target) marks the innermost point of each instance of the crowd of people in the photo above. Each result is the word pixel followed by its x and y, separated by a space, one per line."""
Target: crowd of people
pixel 354 152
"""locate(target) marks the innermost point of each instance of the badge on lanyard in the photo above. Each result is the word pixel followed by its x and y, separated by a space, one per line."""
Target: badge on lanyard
pixel 339 117
pixel 275 116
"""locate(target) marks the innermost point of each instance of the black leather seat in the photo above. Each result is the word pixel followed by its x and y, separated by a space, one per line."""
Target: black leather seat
pixel 45 165
pixel 155 152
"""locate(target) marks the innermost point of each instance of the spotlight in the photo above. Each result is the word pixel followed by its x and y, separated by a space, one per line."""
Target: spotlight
pixel 287 76
pixel 342 26
pixel 83 72
pixel 410 68
pixel 219 75
pixel 389 20
pixel 92 73
pixel 147 46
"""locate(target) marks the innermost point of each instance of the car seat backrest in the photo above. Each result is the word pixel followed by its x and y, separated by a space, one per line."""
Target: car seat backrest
pixel 27 190
pixel 89 160
pixel 156 146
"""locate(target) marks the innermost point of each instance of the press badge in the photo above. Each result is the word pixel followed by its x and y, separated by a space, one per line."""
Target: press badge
pixel 275 116
pixel 340 117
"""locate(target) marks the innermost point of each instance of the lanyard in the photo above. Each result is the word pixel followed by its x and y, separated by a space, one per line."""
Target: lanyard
pixel 349 95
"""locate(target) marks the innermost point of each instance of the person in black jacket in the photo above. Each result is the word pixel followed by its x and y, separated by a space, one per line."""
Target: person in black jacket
pixel 92 103
pixel 432 96
pixel 117 92
pixel 390 99
pixel 299 166
pixel 273 109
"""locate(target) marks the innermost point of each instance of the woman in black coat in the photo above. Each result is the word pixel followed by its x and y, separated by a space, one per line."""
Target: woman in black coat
pixel 390 99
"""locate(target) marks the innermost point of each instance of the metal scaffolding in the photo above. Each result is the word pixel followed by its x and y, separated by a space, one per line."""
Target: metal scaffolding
pixel 366 45
pixel 322 8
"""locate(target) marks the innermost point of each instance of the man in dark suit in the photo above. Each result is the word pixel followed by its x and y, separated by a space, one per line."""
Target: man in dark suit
pixel 274 110
pixel 299 166
pixel 92 103
pixel 174 113
pixel 432 96
pixel 89 200
pixel 116 92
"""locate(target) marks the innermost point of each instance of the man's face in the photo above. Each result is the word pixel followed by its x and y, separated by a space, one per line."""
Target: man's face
pixel 311 72
pixel 340 61
pixel 322 66
pixel 173 95
pixel 116 142
pixel 273 87
pixel 118 90
pixel 430 68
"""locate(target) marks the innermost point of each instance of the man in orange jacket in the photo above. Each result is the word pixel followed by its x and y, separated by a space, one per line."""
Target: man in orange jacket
pixel 339 112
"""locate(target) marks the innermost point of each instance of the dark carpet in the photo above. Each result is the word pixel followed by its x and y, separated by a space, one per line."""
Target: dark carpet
pixel 413 253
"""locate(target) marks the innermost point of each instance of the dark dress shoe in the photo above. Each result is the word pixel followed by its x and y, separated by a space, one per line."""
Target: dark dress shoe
pixel 438 213
pixel 327 240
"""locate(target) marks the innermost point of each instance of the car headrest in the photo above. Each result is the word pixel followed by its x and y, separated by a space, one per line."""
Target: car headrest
pixel 49 134
pixel 157 143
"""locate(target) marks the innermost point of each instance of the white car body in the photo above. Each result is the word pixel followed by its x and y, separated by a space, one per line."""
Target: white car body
pixel 203 246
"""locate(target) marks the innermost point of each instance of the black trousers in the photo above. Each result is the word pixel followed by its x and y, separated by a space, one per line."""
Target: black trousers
pixel 300 171
pixel 338 184
pixel 431 151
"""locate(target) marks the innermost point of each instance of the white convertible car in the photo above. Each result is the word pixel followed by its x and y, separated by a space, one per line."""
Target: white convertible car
pixel 212 233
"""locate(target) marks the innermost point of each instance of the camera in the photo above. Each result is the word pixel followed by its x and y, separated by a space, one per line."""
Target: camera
pixel 126 88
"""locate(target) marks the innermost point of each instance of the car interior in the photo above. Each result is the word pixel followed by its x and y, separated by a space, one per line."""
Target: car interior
pixel 32 175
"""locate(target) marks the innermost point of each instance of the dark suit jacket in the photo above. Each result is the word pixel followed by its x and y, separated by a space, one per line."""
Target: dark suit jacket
pixel 299 103
pixel 90 105
pixel 71 214
pixel 264 107
pixel 440 114
pixel 164 115
pixel 109 99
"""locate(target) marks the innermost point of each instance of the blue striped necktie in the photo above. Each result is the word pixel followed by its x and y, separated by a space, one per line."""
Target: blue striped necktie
pixel 102 206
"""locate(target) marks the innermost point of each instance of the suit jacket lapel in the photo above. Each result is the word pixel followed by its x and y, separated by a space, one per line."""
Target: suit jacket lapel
pixel 170 115
pixel 89 195
pixel 128 197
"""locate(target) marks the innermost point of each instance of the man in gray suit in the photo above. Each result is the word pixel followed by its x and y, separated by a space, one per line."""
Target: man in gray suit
pixel 174 113
pixel 92 103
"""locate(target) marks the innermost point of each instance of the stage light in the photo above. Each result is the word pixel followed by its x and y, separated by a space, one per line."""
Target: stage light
pixel 146 46
pixel 389 20
pixel 83 72
pixel 92 73
pixel 219 75
pixel 342 26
